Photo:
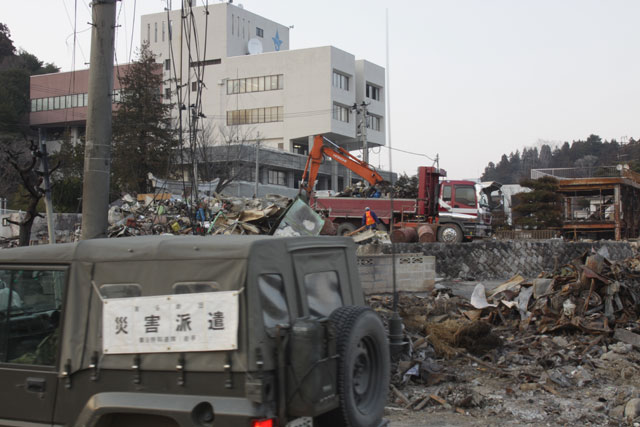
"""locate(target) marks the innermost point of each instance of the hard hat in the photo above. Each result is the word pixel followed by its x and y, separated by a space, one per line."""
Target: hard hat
pixel 367 208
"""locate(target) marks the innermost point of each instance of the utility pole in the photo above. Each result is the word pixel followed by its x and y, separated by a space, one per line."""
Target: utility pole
pixel 97 154
pixel 362 109
pixel 47 188
pixel 257 166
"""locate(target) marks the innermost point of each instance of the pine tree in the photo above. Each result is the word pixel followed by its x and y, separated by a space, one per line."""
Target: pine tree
pixel 541 207
pixel 142 135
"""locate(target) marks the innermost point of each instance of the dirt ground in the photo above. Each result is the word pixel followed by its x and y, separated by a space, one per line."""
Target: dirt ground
pixel 591 396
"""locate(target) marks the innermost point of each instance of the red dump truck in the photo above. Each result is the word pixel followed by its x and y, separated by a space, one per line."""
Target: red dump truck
pixel 454 210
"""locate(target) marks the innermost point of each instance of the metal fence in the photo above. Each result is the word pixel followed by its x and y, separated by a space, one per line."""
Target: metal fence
pixel 525 234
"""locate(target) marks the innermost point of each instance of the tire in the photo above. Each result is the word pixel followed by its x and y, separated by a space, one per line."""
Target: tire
pixel 345 227
pixel 450 233
pixel 363 367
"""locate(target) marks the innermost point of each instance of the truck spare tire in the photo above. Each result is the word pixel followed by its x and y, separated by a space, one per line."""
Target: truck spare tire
pixel 363 366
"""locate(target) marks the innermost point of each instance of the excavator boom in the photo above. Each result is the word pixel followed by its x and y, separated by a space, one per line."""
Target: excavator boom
pixel 339 154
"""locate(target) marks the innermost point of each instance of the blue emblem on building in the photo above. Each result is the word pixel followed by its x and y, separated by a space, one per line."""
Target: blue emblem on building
pixel 276 41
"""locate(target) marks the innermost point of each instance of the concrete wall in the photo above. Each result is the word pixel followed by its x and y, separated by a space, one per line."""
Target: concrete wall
pixel 491 259
pixel 414 273
pixel 64 223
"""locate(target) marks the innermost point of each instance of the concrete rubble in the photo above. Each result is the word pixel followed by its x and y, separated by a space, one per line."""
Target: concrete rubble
pixel 561 348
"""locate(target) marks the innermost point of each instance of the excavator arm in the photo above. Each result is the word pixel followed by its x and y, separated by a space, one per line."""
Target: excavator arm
pixel 339 154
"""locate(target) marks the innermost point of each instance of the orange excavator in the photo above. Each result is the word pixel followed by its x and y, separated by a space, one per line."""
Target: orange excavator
pixel 339 154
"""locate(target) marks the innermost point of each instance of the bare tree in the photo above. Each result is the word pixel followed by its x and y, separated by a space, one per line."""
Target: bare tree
pixel 227 153
pixel 26 166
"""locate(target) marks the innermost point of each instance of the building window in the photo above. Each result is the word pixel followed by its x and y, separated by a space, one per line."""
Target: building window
pixel 233 24
pixel 255 116
pixel 155 32
pixel 340 81
pixel 259 32
pixel 194 86
pixel 373 92
pixel 162 30
pixel 373 122
pixel 255 84
pixel 277 177
pixel 167 93
pixel 167 64
pixel 340 113
pixel 148 32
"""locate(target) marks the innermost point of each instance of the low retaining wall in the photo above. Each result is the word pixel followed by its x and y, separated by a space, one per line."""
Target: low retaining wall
pixel 414 273
pixel 492 259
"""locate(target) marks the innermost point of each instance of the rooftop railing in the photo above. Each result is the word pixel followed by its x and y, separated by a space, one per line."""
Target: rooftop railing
pixel 587 172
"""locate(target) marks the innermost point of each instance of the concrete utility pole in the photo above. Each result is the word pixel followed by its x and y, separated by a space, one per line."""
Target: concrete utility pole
pixel 362 109
pixel 257 166
pixel 97 154
pixel 47 188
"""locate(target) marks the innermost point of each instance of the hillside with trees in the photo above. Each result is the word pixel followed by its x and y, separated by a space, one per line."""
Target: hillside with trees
pixel 592 152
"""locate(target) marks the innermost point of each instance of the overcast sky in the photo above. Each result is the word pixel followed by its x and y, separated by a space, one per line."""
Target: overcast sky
pixel 470 79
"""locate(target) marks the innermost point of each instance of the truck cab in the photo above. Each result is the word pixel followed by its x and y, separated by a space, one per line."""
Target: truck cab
pixel 465 204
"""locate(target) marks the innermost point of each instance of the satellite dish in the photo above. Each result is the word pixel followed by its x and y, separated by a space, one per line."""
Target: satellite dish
pixel 254 46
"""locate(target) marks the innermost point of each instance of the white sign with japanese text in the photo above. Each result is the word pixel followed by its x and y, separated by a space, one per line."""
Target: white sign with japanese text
pixel 171 323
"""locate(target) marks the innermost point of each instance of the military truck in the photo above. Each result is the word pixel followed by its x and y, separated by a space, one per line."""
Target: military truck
pixel 189 331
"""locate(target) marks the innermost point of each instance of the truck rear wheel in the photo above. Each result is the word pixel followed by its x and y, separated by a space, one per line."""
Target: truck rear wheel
pixel 345 228
pixel 449 233
pixel 363 367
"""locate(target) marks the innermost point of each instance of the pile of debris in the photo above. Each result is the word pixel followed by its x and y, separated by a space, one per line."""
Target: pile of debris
pixel 162 214
pixel 527 349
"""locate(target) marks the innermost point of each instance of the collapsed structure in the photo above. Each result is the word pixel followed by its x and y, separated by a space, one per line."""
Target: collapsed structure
pixel 598 202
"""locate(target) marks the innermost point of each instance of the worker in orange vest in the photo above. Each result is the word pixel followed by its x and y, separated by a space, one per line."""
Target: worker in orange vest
pixel 370 219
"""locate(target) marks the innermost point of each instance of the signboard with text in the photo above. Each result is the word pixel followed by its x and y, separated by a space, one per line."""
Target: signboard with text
pixel 171 323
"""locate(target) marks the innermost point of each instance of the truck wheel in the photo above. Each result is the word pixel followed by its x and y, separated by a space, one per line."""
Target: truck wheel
pixel 363 366
pixel 345 227
pixel 450 233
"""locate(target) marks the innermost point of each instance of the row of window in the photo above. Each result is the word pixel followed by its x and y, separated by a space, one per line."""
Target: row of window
pixel 373 122
pixel 343 114
pixel 277 177
pixel 255 84
pixel 340 81
pixel 255 115
pixel 66 101
pixel 373 92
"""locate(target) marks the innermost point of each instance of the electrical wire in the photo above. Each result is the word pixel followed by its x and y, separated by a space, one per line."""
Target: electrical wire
pixel 133 27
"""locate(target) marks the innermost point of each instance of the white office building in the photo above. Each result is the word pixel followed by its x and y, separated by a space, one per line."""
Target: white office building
pixel 235 71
